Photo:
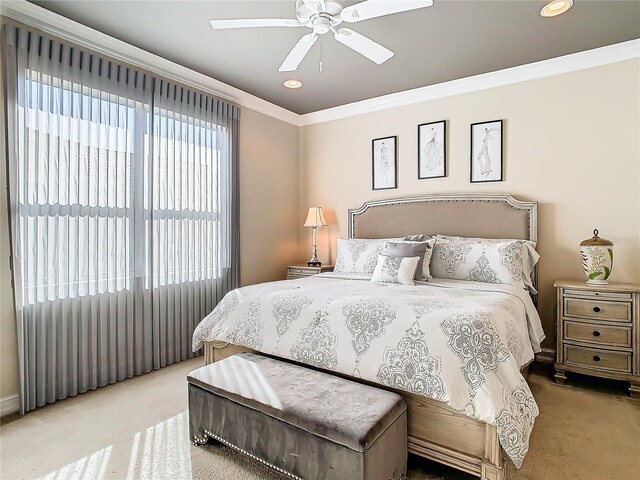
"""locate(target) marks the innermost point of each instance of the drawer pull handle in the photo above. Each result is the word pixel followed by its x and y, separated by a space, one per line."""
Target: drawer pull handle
pixel 596 358
pixel 596 309
pixel 596 333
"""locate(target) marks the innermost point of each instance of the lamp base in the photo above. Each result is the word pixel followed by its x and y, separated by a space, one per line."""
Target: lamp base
pixel 313 261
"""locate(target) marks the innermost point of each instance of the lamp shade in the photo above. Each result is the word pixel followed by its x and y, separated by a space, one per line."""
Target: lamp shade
pixel 315 218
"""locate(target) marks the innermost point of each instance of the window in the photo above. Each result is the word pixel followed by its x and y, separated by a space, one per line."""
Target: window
pixel 92 166
pixel 185 204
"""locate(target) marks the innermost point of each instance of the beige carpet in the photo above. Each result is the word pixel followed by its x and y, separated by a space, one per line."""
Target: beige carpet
pixel 139 429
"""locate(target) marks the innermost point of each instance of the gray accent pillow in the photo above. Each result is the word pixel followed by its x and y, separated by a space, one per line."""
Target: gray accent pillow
pixel 421 237
pixel 408 250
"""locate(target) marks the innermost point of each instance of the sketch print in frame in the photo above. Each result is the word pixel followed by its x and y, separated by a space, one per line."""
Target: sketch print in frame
pixel 486 151
pixel 384 163
pixel 432 150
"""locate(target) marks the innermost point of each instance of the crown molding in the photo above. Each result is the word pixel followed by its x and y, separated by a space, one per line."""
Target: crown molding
pixel 546 68
pixel 66 29
pixel 62 27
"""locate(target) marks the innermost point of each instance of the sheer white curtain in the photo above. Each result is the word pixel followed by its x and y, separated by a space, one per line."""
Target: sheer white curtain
pixel 123 214
pixel 193 226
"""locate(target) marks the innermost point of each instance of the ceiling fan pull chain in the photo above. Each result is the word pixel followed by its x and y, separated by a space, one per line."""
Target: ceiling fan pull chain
pixel 320 55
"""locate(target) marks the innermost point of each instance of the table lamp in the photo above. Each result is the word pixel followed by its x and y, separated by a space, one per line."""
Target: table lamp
pixel 315 219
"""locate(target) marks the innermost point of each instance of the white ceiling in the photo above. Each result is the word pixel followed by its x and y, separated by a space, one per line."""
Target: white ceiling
pixel 453 39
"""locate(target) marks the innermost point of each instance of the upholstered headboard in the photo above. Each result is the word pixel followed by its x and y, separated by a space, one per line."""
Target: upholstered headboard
pixel 465 214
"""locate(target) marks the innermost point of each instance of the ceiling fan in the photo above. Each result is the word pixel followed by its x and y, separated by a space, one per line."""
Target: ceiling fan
pixel 324 16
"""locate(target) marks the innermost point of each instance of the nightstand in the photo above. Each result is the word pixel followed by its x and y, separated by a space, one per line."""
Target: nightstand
pixel 599 331
pixel 301 271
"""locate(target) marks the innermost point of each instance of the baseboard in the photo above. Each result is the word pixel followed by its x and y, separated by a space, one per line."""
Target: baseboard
pixel 9 404
pixel 547 355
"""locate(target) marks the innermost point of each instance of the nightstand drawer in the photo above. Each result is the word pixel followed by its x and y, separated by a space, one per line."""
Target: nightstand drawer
pixel 598 295
pixel 597 309
pixel 601 359
pixel 302 271
pixel 598 334
pixel 293 276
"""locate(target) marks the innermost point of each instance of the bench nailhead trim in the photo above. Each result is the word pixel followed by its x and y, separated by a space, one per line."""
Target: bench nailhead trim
pixel 207 434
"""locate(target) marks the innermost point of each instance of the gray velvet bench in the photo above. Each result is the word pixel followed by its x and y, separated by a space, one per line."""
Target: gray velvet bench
pixel 301 422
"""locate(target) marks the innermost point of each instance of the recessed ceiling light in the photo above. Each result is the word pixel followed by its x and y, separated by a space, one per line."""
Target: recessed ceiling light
pixel 556 7
pixel 293 84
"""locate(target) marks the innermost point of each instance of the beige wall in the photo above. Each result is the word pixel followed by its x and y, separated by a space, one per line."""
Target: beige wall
pixel 268 197
pixel 571 143
pixel 268 223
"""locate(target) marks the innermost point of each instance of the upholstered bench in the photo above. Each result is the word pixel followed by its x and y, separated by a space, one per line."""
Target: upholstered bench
pixel 302 422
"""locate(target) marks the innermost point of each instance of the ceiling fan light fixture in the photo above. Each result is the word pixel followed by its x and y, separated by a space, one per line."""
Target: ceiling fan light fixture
pixel 556 7
pixel 293 83
pixel 321 29
pixel 321 25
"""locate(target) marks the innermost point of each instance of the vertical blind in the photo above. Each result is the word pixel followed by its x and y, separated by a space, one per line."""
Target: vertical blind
pixel 123 197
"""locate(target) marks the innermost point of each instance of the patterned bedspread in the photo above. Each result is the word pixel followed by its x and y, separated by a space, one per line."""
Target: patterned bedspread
pixel 458 342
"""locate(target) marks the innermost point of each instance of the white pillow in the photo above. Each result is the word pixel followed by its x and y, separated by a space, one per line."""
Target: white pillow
pixel 395 269
pixel 426 272
pixel 529 255
pixel 359 255
pixel 487 262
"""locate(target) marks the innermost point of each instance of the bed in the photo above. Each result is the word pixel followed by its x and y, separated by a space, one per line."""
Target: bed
pixel 443 425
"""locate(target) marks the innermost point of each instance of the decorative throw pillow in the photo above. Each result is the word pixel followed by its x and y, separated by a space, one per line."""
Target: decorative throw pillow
pixel 359 255
pixel 529 254
pixel 395 269
pixel 408 249
pixel 487 262
pixel 405 248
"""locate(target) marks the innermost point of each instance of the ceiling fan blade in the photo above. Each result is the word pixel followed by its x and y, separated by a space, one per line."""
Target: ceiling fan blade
pixel 255 22
pixel 363 45
pixel 298 52
pixel 315 5
pixel 378 8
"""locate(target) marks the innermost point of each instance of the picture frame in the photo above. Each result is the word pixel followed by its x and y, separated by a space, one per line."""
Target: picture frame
pixel 432 150
pixel 384 163
pixel 486 147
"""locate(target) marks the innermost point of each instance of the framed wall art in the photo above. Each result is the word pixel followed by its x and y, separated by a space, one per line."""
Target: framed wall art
pixel 384 163
pixel 486 152
pixel 432 150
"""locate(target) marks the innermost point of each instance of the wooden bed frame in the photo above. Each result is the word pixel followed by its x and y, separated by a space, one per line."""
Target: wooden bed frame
pixel 435 430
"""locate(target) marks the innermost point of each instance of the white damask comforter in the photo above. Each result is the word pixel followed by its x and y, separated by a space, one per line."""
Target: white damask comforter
pixel 458 342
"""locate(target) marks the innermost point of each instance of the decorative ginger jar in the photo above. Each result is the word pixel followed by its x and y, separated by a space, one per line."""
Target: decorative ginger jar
pixel 597 259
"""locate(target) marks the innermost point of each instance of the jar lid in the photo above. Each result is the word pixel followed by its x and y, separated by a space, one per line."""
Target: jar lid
pixel 596 241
